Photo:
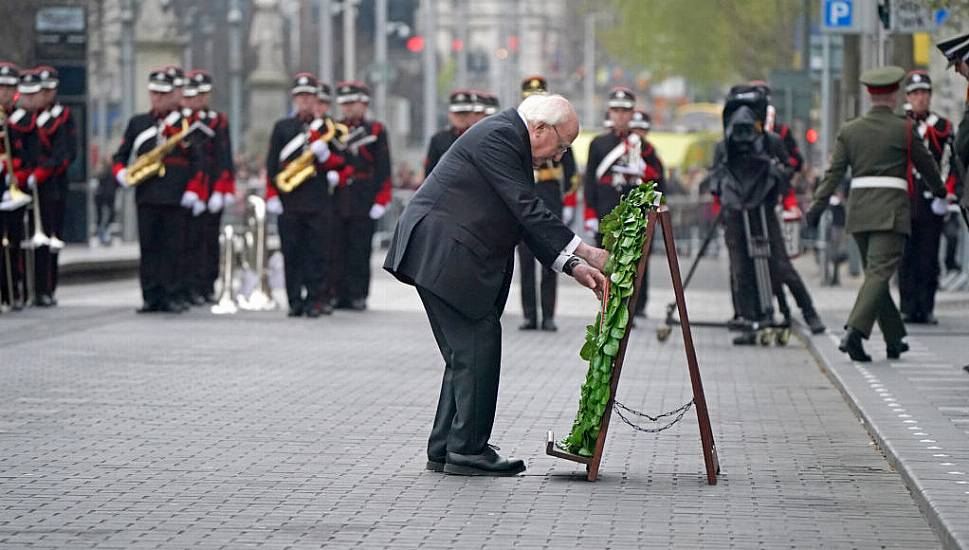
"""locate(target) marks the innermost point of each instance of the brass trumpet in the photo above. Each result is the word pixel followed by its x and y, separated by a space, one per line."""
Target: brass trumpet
pixel 151 163
pixel 303 167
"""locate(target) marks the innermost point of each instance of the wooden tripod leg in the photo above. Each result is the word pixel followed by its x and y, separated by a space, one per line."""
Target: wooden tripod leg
pixel 592 468
pixel 703 417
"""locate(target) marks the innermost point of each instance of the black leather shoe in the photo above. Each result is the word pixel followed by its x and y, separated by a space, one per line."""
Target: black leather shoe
pixel 316 309
pixel 549 325
pixel 172 306
pixel 851 344
pixel 358 304
pixel 894 351
pixel 488 463
pixel 528 325
pixel 436 464
pixel 43 301
pixel 930 319
pixel 148 308
pixel 196 300
pixel 814 323
pixel 296 310
pixel 908 318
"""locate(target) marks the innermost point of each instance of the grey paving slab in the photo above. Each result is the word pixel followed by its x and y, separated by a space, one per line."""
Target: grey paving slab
pixel 121 431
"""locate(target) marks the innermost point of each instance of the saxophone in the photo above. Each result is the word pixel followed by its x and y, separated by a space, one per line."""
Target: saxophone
pixel 17 197
pixel 303 167
pixel 151 163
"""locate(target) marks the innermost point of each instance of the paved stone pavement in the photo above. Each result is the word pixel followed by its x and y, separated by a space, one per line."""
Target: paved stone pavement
pixel 127 431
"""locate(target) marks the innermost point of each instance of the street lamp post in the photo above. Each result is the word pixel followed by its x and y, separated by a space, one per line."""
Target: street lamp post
pixel 234 19
pixel 380 60
pixel 430 69
pixel 325 43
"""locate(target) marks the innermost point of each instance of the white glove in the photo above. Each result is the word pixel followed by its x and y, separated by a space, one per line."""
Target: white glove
pixel 31 182
pixel 592 226
pixel 568 213
pixel 377 211
pixel 229 199
pixel 122 177
pixel 274 206
pixel 189 198
pixel 333 179
pixel 321 150
pixel 216 202
pixel 198 208
pixel 940 206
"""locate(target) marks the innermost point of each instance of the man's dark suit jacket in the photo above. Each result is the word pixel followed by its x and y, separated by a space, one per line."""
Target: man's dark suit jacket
pixel 457 236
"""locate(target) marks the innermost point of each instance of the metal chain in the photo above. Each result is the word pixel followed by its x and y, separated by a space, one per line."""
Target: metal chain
pixel 678 412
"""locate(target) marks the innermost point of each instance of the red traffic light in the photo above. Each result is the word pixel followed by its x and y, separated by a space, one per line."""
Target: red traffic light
pixel 811 136
pixel 415 43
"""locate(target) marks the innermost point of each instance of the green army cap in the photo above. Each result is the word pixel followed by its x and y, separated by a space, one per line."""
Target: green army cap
pixel 882 80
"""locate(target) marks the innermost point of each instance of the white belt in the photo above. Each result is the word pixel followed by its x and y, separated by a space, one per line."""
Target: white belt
pixel 879 182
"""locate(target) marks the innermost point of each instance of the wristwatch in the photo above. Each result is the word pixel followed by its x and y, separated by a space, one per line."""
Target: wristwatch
pixel 570 265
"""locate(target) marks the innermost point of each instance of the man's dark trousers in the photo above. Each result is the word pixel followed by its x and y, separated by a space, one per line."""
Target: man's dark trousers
pixel 352 247
pixel 160 232
pixel 469 393
pixel 548 286
pixel 918 274
pixel 302 237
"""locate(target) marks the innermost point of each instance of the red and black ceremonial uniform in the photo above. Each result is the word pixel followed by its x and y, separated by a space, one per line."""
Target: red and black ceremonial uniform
pixel 555 184
pixel 21 126
pixel 161 218
pixel 356 209
pixel 919 271
pixel 57 140
pixel 304 225
pixel 605 184
pixel 218 180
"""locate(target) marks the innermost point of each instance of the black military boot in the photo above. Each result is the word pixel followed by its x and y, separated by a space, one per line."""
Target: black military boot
pixel 851 344
pixel 895 350
pixel 747 338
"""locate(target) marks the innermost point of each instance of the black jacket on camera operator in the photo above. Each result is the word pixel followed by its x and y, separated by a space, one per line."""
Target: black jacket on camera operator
pixel 748 176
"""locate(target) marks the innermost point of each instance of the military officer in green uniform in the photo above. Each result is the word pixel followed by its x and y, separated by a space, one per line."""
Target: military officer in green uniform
pixel 880 147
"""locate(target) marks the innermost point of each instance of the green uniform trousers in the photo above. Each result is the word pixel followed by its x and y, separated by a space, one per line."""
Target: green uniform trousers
pixel 881 252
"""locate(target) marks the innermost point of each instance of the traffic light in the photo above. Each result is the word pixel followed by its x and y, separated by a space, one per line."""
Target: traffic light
pixel 415 44
pixel 811 136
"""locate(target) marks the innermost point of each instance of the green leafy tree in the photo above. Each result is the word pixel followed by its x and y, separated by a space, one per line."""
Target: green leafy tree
pixel 707 41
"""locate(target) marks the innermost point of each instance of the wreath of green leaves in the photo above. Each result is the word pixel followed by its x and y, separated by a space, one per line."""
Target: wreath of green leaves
pixel 623 232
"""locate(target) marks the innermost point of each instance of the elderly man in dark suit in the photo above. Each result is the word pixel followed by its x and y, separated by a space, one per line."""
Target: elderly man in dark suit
pixel 456 241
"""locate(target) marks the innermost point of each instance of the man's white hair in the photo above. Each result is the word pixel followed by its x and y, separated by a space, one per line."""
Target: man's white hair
pixel 546 109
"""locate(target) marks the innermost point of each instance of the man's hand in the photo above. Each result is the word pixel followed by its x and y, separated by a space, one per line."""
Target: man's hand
pixel 321 150
pixel 596 257
pixel 590 277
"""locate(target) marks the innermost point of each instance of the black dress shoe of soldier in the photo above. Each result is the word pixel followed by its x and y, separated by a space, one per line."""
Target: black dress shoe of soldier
pixel 529 324
pixel 549 325
pixel 488 463
pixel 814 323
pixel 930 319
pixel 296 310
pixel 851 344
pixel 148 307
pixel 172 306
pixel 894 351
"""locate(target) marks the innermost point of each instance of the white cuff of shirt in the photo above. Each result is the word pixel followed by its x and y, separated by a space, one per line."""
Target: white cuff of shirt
pixel 566 253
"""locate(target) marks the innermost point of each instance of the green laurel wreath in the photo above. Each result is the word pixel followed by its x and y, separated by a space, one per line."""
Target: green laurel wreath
pixel 623 232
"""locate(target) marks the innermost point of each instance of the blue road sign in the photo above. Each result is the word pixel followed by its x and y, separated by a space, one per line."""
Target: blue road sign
pixel 838 14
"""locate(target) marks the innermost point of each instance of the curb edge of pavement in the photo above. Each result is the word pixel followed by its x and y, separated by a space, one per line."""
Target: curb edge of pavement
pixel 821 349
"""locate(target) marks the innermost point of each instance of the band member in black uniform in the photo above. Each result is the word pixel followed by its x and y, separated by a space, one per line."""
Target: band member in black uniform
pixel 58 147
pixel 459 115
pixel 19 129
pixel 363 201
pixel 24 120
pixel 918 274
pixel 304 215
pixel 619 160
pixel 324 98
pixel 554 181
pixel 218 179
pixel 161 199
